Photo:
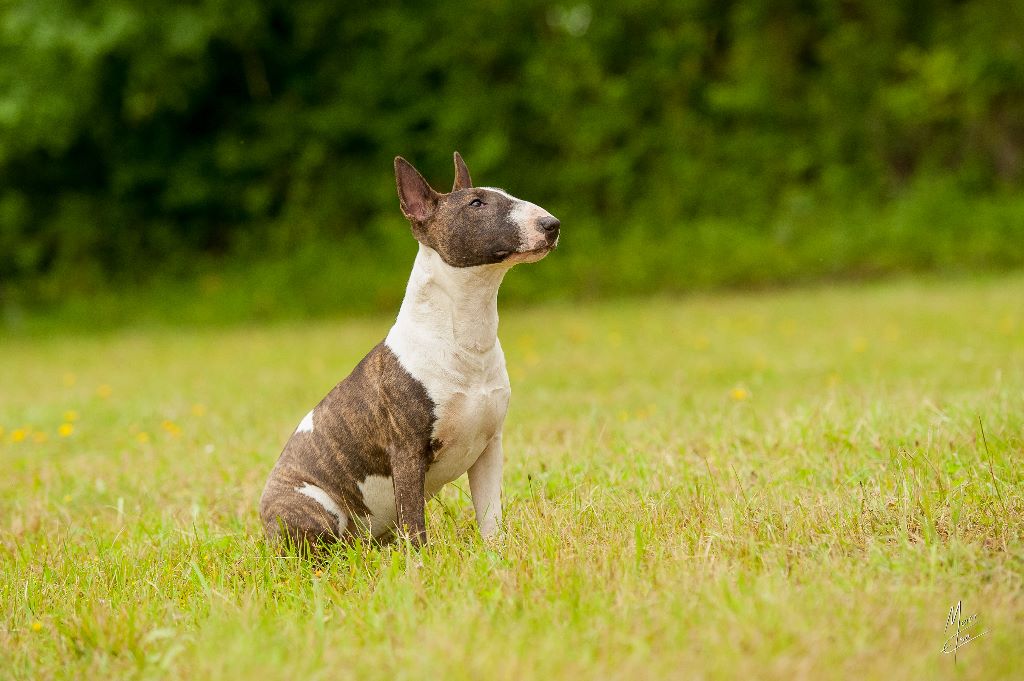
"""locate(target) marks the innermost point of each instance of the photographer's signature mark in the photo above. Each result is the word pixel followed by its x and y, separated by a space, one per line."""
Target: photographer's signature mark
pixel 961 637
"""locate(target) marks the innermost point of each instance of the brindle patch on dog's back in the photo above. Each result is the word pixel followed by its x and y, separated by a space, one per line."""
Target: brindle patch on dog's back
pixel 378 409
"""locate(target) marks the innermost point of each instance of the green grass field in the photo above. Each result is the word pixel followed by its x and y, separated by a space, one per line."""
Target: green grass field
pixel 788 485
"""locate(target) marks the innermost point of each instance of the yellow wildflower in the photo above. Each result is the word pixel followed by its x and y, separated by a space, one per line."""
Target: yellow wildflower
pixel 37 626
pixel 104 391
pixel 739 394
pixel 142 438
pixel 71 415
pixel 644 413
pixel 578 334
pixel 66 429
pixel 171 427
pixel 198 409
pixel 19 434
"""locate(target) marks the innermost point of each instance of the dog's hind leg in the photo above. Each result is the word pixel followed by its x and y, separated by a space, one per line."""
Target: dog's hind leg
pixel 301 516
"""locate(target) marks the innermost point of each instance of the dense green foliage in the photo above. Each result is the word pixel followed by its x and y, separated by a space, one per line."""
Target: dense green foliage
pixel 137 135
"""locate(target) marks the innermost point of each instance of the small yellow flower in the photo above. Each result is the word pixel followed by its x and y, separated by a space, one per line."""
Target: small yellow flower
pixel 198 410
pixel 171 427
pixel 644 413
pixel 19 434
pixel 67 498
pixel 71 415
pixel 739 394
pixel 142 438
pixel 40 437
pixel 319 572
pixel 578 334
pixel 37 626
pixel 66 429
pixel 104 391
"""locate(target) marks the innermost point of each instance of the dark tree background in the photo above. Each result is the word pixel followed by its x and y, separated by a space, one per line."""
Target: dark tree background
pixel 137 136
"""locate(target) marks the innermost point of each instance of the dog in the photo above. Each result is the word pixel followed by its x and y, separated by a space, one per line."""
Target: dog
pixel 428 403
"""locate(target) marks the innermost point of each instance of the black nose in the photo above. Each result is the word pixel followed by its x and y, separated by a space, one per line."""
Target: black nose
pixel 549 223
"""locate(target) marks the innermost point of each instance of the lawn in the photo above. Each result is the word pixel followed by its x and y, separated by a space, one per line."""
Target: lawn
pixel 785 485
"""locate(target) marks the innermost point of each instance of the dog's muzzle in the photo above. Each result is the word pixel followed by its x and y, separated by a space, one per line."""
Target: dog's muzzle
pixel 549 224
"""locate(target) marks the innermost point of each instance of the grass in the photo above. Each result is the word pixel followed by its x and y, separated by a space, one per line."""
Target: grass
pixel 782 485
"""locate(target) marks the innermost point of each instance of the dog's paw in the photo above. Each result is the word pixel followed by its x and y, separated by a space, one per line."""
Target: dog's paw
pixel 493 536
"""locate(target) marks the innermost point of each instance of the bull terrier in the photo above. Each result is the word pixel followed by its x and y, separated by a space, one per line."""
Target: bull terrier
pixel 428 403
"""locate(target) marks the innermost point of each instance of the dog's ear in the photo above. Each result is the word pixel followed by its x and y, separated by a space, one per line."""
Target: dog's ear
pixel 418 200
pixel 462 179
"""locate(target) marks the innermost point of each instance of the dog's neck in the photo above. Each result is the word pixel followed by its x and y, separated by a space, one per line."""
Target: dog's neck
pixel 452 305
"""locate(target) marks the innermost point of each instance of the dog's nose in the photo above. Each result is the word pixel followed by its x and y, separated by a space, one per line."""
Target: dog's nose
pixel 549 223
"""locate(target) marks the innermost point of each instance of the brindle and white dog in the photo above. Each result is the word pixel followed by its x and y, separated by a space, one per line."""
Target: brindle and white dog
pixel 427 404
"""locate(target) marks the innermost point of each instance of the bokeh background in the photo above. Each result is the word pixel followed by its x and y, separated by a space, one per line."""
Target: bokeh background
pixel 229 160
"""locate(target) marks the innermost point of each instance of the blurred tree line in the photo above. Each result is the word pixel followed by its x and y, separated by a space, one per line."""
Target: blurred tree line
pixel 137 136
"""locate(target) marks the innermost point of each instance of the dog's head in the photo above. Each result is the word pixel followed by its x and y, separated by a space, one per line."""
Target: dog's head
pixel 473 226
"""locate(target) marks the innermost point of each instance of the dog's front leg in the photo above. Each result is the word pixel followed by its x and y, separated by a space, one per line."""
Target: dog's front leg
pixel 408 471
pixel 485 486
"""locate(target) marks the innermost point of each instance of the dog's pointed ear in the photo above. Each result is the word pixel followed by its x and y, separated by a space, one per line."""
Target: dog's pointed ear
pixel 418 200
pixel 462 178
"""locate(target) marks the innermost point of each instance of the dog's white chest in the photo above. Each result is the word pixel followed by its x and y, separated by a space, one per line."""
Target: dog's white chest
pixel 467 420
pixel 445 336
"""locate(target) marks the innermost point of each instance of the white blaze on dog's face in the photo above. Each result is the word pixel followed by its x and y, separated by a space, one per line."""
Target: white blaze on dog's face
pixel 538 229
pixel 473 226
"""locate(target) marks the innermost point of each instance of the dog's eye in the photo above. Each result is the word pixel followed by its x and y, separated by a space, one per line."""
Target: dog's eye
pixel 476 203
